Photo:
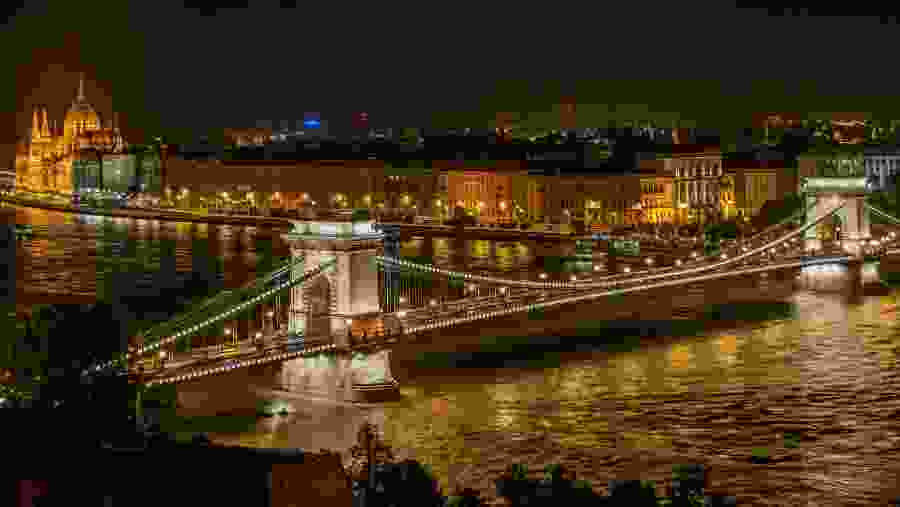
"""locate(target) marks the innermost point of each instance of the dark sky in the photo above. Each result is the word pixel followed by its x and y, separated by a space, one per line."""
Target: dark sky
pixel 182 71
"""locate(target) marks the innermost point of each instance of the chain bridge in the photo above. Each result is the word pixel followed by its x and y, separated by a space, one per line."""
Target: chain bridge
pixel 347 292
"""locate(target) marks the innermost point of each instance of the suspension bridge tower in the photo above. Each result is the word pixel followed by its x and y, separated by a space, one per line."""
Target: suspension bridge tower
pixel 329 304
pixel 826 181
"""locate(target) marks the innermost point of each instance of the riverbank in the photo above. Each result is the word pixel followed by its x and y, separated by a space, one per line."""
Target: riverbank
pixel 153 214
pixel 26 300
pixel 481 232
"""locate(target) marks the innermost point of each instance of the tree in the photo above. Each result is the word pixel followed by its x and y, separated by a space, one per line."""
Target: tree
pixel 773 212
pixel 372 469
pixel 634 493
pixel 53 356
pixel 820 132
pixel 558 486
pixel 465 497
pixel 879 132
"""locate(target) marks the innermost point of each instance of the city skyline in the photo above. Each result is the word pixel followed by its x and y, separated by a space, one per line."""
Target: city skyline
pixel 178 81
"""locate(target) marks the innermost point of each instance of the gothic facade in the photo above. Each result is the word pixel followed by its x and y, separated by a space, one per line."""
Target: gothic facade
pixel 45 159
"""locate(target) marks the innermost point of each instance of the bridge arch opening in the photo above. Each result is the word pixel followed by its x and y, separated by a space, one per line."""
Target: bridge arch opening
pixel 318 307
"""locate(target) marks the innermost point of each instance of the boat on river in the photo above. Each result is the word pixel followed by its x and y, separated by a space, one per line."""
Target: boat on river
pixel 376 392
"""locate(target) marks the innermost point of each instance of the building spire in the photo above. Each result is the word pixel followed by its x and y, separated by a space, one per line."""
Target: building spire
pixel 81 88
pixel 35 123
pixel 45 124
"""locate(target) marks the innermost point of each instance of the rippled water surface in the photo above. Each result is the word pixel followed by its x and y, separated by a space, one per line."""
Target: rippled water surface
pixel 826 371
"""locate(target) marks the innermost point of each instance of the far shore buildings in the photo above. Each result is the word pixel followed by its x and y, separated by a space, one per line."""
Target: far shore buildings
pixel 687 188
pixel 691 184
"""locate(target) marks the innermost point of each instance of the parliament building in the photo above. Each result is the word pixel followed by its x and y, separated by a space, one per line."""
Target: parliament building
pixel 65 160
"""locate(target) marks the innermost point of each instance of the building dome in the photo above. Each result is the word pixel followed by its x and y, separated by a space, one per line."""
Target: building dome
pixel 81 111
pixel 81 115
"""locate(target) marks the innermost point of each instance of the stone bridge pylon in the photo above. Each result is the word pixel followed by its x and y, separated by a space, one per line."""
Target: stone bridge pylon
pixel 348 291
pixel 825 182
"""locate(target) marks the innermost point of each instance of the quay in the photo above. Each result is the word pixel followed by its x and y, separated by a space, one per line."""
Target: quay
pixel 407 230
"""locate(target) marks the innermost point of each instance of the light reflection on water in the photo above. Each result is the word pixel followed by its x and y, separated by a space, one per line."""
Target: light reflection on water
pixel 829 373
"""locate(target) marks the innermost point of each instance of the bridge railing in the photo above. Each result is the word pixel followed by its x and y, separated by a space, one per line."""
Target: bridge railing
pixel 728 261
pixel 512 308
pixel 883 214
pixel 736 250
pixel 219 316
pixel 227 297
pixel 524 307
pixel 243 305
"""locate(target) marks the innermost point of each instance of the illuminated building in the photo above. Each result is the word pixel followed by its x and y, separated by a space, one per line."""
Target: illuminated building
pixel 528 196
pixel 612 199
pixel 753 182
pixel 657 204
pixel 250 136
pixel 483 193
pixel 882 164
pixel 297 185
pixel 48 160
pixel 697 173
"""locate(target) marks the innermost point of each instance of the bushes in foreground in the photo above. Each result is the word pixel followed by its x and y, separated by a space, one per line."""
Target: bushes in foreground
pixel 559 485
pixel 410 483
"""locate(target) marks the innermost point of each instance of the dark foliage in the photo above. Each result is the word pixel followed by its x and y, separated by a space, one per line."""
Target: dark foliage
pixel 403 484
pixel 558 485
pixel 466 497
pixel 773 212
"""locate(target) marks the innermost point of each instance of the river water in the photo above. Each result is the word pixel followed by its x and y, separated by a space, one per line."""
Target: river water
pixel 823 367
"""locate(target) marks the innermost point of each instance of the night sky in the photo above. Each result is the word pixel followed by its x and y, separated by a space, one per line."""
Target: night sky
pixel 181 72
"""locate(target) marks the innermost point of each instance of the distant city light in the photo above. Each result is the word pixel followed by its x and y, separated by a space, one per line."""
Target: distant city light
pixel 311 124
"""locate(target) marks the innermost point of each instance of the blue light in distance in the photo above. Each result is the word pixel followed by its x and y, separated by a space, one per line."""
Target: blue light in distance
pixel 311 124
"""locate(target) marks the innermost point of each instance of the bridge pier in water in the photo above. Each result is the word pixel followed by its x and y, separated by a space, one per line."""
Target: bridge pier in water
pixel 846 278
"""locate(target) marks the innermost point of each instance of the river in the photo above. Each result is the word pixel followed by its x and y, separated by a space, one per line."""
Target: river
pixel 824 368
